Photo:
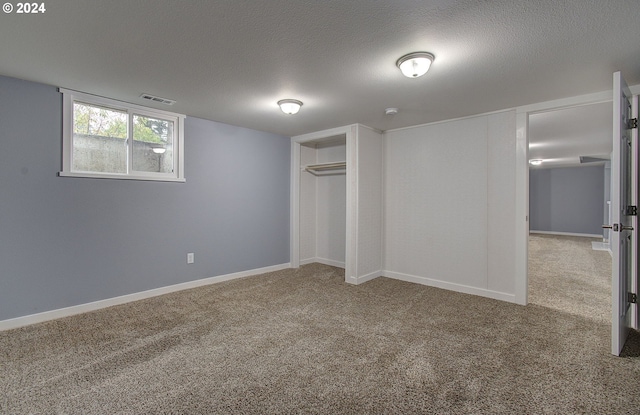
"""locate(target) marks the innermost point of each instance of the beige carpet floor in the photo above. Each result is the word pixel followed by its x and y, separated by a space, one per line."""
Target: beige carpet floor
pixel 304 342
pixel 567 275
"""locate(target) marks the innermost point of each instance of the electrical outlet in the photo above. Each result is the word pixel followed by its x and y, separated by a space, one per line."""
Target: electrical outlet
pixel 190 258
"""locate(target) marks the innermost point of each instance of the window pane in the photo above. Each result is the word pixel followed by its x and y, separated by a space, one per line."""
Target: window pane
pixel 152 144
pixel 99 139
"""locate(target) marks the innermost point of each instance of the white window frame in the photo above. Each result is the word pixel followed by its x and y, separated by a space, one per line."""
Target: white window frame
pixel 70 96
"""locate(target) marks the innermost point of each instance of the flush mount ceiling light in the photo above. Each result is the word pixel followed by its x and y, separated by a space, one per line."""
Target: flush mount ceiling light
pixel 290 106
pixel 415 64
pixel 158 150
pixel 535 162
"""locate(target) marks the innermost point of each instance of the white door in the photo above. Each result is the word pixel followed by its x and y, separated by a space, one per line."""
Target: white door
pixel 621 240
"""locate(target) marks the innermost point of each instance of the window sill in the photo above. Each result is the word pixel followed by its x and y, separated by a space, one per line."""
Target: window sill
pixel 121 177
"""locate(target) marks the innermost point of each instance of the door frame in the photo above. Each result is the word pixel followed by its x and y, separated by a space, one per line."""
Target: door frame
pixel 522 184
pixel 349 132
pixel 522 178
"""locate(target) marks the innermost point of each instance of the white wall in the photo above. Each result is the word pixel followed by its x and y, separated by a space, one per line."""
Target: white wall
pixel 449 205
pixel 369 204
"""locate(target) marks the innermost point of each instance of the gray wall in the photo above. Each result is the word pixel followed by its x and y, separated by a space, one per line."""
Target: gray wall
pixel 567 199
pixel 68 241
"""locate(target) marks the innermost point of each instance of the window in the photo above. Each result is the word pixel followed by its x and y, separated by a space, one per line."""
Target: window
pixel 104 138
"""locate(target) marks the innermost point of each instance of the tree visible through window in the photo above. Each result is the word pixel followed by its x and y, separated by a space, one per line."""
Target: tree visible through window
pixel 99 139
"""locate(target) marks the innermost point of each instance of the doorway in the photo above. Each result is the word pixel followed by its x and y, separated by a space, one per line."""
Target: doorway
pixel 569 193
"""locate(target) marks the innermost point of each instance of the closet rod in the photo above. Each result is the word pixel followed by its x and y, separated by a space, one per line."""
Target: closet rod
pixel 326 166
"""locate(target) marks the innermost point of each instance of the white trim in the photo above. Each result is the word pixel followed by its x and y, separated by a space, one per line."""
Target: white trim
pixel 179 161
pixel 496 295
pixel 330 262
pixel 350 133
pixel 351 228
pixel 294 227
pixel 522 176
pixel 584 235
pixel 109 302
pixel 375 130
pixel 324 261
pixel 571 102
pixel 521 286
pixel 318 135
pixel 70 96
pixel 383 204
pixel 604 96
pixel 467 117
pixel 67 130
pixel 364 278
pixel 159 178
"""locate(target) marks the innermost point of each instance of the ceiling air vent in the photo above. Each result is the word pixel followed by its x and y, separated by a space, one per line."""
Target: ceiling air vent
pixel 158 99
pixel 587 159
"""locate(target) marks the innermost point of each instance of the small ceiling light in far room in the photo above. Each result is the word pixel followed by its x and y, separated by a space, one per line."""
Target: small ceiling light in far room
pixel 535 162
pixel 290 106
pixel 391 111
pixel 159 150
pixel 415 64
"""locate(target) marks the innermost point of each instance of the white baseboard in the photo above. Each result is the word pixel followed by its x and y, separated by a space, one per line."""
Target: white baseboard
pixel 307 261
pixel 364 278
pixel 600 246
pixel 496 295
pixel 109 302
pixel 330 262
pixel 324 261
pixel 339 264
pixel 584 235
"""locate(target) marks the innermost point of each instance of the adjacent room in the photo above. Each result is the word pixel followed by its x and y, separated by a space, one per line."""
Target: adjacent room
pixel 315 207
pixel 569 200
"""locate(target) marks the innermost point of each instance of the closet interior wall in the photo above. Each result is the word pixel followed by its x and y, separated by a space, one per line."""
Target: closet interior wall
pixel 323 203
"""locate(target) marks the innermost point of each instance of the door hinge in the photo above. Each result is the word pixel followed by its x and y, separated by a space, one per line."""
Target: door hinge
pixel 632 211
pixel 633 123
pixel 632 298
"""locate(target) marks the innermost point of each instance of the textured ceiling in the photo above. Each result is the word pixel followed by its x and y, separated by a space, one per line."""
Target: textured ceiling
pixel 230 61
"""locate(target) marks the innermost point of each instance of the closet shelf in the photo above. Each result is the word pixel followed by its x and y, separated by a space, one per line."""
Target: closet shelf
pixel 326 166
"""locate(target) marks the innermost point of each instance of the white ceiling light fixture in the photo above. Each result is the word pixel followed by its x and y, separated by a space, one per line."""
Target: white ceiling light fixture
pixel 158 150
pixel 290 106
pixel 535 162
pixel 415 64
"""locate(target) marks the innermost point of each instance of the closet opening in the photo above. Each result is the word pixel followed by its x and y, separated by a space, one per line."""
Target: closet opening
pixel 336 200
pixel 323 201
